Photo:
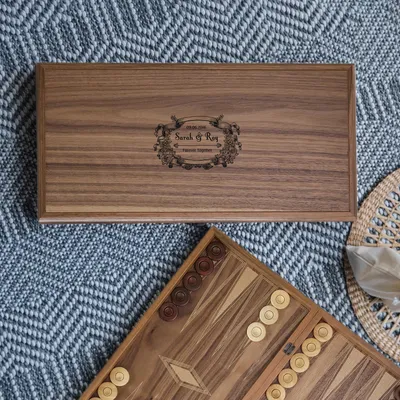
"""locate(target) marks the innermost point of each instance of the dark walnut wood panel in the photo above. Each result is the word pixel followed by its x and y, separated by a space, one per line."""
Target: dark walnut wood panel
pixel 202 349
pixel 96 138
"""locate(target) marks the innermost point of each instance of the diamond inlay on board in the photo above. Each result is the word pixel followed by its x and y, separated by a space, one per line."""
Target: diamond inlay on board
pixel 185 375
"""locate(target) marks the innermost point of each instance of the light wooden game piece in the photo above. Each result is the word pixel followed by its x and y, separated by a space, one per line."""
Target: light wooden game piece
pixel 280 299
pixel 269 315
pixel 311 347
pixel 323 332
pixel 288 378
pixel 119 376
pixel 299 363
pixel 95 398
pixel 276 392
pixel 216 250
pixel 107 391
pixel 256 332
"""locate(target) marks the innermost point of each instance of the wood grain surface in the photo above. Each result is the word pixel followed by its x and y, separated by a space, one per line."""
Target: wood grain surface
pixel 341 371
pixel 96 157
pixel 207 340
pixel 205 352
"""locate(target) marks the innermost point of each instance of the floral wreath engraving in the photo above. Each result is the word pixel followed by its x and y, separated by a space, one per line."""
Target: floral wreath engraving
pixel 227 153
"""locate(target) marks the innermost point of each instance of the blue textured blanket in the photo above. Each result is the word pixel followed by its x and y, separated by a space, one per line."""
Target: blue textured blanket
pixel 70 294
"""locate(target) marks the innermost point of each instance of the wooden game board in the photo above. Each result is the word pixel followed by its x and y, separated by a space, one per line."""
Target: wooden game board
pixel 205 338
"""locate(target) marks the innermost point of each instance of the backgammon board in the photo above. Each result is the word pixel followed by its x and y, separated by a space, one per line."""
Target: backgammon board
pixel 227 327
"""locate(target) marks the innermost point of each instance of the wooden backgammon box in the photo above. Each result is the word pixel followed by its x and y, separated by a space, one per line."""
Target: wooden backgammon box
pixel 196 142
pixel 226 327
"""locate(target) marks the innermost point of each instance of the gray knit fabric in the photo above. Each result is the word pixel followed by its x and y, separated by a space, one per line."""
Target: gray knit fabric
pixel 70 294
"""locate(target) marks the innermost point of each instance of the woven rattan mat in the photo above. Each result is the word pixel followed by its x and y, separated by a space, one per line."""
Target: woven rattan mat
pixel 377 224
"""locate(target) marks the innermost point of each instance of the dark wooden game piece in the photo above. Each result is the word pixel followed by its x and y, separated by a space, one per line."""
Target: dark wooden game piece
pixel 204 266
pixel 180 296
pixel 192 281
pixel 216 251
pixel 168 311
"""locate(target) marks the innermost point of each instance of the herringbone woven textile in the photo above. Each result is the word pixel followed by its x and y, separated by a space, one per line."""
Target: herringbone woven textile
pixel 70 294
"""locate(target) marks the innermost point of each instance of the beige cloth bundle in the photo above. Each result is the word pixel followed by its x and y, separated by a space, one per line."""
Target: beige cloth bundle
pixel 377 271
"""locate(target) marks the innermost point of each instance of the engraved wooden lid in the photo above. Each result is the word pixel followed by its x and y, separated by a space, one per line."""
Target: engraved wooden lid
pixel 168 311
pixel 180 296
pixel 107 391
pixel 192 281
pixel 269 315
pixel 256 332
pixel 299 363
pixel 323 332
pixel 311 347
pixel 119 376
pixel 152 133
pixel 280 299
pixel 276 392
pixel 288 378
pixel 216 250
pixel 95 398
pixel 204 266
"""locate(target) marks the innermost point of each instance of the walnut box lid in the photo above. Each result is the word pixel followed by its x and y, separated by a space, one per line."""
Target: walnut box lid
pixel 196 142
